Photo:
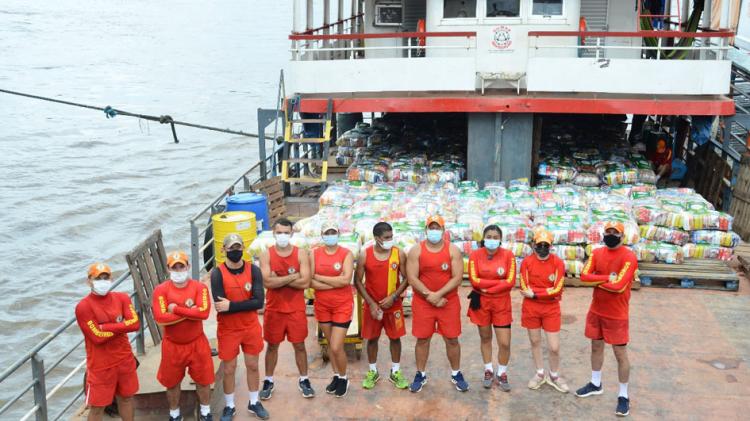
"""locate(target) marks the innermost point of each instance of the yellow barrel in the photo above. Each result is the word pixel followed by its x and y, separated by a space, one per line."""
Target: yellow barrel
pixel 240 222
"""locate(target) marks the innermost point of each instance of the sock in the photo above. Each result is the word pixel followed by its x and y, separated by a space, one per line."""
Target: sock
pixel 395 367
pixel 624 390
pixel 205 409
pixel 343 377
pixel 253 397
pixel 488 366
pixel 501 369
pixel 422 373
pixel 303 378
pixel 540 372
pixel 374 367
pixel 454 373
pixel 269 378
pixel 336 375
pixel 174 413
pixel 229 399
pixel 596 378
pixel 552 374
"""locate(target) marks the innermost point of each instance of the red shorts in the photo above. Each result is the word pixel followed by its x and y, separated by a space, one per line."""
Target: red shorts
pixel 537 314
pixel 613 331
pixel 393 323
pixel 250 339
pixel 277 326
pixel 493 311
pixel 194 356
pixel 428 319
pixel 103 385
pixel 326 312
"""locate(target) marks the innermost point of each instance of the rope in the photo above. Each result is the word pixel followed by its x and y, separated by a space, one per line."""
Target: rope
pixel 111 112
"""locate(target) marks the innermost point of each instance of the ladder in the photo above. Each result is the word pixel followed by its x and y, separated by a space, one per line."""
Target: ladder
pixel 305 171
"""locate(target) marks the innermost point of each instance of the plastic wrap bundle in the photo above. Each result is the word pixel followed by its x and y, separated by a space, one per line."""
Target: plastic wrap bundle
pixel 466 247
pixel 708 220
pixel 516 226
pixel 367 171
pixel 496 189
pixel 587 179
pixel 460 232
pixel 444 172
pixel 520 250
pixel 651 214
pixel 406 171
pixel 525 203
pixel 363 227
pixel 354 138
pixel 648 251
pixel 664 234
pixel 336 195
pixel 643 166
pixel 615 174
pixel 518 185
pixel 573 267
pixel 566 252
pixel 715 238
pixel 707 251
pixel 562 170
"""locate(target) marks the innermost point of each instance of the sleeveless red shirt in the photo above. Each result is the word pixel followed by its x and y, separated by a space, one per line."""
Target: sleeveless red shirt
pixel 332 265
pixel 237 288
pixel 435 269
pixel 379 274
pixel 285 299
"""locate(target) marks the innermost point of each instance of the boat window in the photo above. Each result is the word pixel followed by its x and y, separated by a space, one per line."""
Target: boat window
pixel 547 7
pixel 459 9
pixel 503 8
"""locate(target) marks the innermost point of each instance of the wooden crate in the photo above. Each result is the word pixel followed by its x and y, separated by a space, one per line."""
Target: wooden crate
pixel 699 274
pixel 274 190
pixel 740 206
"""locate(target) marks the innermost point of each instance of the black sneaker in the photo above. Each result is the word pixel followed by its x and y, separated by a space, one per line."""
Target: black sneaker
pixel 228 413
pixel 258 410
pixel 623 407
pixel 342 387
pixel 306 388
pixel 331 388
pixel 267 391
pixel 589 390
pixel 179 418
pixel 208 417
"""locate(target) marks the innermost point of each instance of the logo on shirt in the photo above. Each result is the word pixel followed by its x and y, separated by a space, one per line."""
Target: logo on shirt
pixel 337 266
pixel 444 266
pixel 248 287
pixel 397 314
pixel 189 302
pixel 394 266
pixel 119 319
pixel 501 271
pixel 291 271
pixel 552 278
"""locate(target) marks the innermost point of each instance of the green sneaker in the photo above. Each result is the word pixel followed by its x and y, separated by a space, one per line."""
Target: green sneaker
pixel 370 380
pixel 398 380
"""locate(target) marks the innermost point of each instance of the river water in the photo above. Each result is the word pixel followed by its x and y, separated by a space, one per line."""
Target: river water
pixel 76 187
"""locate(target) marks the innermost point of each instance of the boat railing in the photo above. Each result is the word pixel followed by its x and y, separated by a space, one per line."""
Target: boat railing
pixel 350 25
pixel 32 364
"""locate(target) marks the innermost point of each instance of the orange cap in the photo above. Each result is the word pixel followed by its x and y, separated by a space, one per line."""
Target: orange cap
pixel 178 256
pixel 543 236
pixel 661 146
pixel 436 219
pixel 615 225
pixel 97 269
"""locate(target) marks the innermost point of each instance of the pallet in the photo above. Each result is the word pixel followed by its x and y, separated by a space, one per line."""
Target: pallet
pixel 698 274
pixel 742 252
pixel 274 191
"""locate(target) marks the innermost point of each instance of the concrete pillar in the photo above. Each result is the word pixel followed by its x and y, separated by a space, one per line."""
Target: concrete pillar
pixel 500 146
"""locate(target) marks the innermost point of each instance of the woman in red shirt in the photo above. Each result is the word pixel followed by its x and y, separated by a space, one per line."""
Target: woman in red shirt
pixel 492 271
pixel 332 267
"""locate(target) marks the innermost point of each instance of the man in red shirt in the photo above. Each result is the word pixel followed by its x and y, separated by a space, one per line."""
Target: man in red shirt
pixel 237 290
pixel 286 275
pixel 542 279
pixel 662 160
pixel 382 266
pixel 105 318
pixel 180 305
pixel 434 269
pixel 610 270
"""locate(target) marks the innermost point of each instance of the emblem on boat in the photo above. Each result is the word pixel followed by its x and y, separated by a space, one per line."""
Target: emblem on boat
pixel 189 302
pixel 337 266
pixel 501 271
pixel 291 270
pixel 118 319
pixel 248 287
pixel 501 39
pixel 444 266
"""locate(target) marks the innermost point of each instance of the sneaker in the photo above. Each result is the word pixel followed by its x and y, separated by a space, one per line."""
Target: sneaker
pixel 460 383
pixel 305 387
pixel 267 391
pixel 331 388
pixel 623 407
pixel 503 382
pixel 208 417
pixel 398 380
pixel 489 378
pixel 537 381
pixel 371 379
pixel 589 390
pixel 341 388
pixel 418 383
pixel 179 418
pixel 558 383
pixel 228 413
pixel 258 410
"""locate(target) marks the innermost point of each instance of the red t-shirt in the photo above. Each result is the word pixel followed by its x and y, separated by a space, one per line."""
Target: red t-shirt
pixel 185 324
pixel 285 299
pixel 664 158
pixel 611 299
pixel 237 288
pixel 496 275
pixel 105 322
pixel 544 277
pixel 380 273
pixel 435 270
pixel 332 265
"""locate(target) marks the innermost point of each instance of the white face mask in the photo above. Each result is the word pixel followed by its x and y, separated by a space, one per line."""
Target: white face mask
pixel 178 277
pixel 101 286
pixel 387 245
pixel 282 240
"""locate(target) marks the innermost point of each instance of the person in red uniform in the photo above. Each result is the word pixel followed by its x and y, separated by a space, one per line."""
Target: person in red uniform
pixel 105 318
pixel 286 275
pixel 542 280
pixel 180 306
pixel 237 291
pixel 662 160
pixel 434 270
pixel 332 267
pixel 610 270
pixel 492 271
pixel 382 266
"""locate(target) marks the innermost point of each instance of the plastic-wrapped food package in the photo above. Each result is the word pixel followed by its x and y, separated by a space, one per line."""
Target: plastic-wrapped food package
pixel 336 195
pixel 562 170
pixel 706 220
pixel 354 138
pixel 518 185
pixel 587 179
pixel 707 251
pixel 566 252
pixel 567 234
pixel 618 174
pixel 648 251
pixel 366 171
pixel 496 189
pixel 664 234
pixel 573 267
pixel 650 214
pixel 644 252
pixel 716 238
pixel 520 250
pixel 646 175
pixel 460 232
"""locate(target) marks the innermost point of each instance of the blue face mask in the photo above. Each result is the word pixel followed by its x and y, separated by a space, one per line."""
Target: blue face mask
pixel 492 244
pixel 330 240
pixel 434 236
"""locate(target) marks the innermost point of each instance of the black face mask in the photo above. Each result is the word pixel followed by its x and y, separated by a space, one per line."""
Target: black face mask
pixel 234 255
pixel 542 250
pixel 611 240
